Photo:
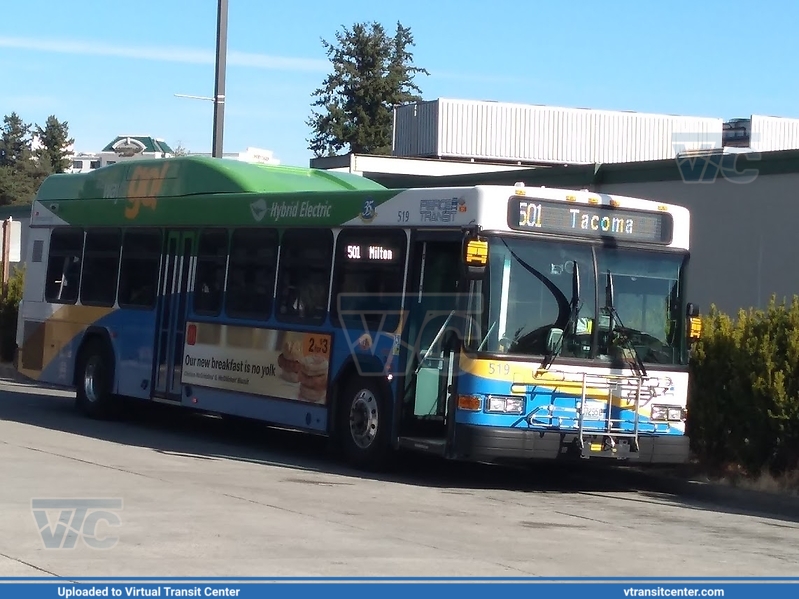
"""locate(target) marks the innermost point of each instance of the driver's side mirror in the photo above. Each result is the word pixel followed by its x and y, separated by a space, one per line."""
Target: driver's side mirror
pixel 554 340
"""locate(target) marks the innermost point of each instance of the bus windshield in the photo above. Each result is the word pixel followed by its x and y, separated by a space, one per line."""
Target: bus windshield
pixel 528 287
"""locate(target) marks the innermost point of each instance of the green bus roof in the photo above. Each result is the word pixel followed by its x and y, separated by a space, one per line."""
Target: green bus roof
pixel 203 191
pixel 195 175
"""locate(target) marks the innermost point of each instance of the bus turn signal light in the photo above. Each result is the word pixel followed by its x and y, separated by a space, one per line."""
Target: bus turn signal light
pixel 469 402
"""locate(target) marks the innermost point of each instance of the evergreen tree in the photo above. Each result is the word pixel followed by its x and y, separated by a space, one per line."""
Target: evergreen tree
pixel 372 74
pixel 15 143
pixel 20 173
pixel 55 141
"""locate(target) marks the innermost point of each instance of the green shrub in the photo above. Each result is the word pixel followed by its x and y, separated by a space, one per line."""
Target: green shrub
pixel 743 401
pixel 9 309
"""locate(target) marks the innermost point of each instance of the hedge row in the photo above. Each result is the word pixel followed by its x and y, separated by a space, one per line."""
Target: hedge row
pixel 743 402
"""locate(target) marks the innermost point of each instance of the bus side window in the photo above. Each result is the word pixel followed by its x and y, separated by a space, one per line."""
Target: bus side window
pixel 98 285
pixel 138 275
pixel 64 266
pixel 251 277
pixel 209 280
pixel 306 258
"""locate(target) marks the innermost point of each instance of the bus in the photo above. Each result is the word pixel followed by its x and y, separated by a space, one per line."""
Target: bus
pixel 480 323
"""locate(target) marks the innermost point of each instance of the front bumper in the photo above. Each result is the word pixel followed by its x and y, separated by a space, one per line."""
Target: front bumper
pixel 495 444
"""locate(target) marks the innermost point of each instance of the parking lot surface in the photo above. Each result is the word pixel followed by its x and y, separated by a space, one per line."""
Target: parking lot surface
pixel 205 497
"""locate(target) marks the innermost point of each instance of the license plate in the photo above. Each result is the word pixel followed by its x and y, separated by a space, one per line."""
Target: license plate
pixel 594 411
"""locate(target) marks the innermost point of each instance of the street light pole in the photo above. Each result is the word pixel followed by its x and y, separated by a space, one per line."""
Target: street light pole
pixel 219 88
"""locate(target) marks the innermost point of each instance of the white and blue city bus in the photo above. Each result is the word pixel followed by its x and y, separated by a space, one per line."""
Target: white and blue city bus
pixel 481 323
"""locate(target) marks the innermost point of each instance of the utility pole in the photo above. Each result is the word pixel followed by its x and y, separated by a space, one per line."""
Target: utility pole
pixel 219 88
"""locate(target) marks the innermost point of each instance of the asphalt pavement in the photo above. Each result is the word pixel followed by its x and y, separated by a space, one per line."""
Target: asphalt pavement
pixel 199 496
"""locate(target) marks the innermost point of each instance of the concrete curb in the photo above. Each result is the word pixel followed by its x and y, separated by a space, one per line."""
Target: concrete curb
pixel 722 494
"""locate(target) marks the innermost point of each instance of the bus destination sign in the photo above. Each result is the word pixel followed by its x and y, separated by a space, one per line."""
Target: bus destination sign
pixel 365 252
pixel 586 220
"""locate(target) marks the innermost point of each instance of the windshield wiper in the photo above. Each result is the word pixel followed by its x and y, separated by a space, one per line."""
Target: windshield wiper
pixel 614 315
pixel 574 313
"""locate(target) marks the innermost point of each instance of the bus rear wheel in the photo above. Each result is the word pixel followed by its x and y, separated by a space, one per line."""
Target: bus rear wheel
pixel 95 375
pixel 364 424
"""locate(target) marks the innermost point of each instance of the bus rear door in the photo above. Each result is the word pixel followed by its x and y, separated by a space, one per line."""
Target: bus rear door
pixel 172 304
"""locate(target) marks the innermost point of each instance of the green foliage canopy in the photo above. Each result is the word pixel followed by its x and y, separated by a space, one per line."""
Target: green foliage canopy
pixel 25 164
pixel 743 405
pixel 372 73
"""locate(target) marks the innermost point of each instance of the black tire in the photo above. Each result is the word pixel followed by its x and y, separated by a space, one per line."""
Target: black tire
pixel 94 374
pixel 364 424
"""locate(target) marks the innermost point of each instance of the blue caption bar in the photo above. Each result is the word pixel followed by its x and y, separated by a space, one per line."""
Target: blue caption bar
pixel 393 589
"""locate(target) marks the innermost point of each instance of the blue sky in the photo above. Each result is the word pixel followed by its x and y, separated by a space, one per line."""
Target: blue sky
pixel 111 68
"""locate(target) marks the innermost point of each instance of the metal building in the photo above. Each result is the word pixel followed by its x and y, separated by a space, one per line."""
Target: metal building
pixel 469 129
pixel 738 177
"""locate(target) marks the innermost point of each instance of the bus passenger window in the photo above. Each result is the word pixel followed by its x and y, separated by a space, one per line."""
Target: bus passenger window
pixel 209 280
pixel 370 267
pixel 251 278
pixel 138 274
pixel 304 279
pixel 100 267
pixel 64 266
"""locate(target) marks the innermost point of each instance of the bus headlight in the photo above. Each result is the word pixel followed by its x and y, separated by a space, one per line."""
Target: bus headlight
pixel 668 413
pixel 505 405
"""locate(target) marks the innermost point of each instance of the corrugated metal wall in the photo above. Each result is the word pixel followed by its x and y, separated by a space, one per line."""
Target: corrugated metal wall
pixel 416 129
pixel 502 131
pixel 770 133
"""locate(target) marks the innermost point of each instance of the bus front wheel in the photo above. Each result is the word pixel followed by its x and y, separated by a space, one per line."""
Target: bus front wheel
pixel 363 424
pixel 95 375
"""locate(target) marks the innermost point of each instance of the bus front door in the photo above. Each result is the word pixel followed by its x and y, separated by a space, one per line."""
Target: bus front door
pixel 172 305
pixel 431 302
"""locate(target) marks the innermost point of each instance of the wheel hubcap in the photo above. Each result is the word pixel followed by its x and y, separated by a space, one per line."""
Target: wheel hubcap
pixel 364 419
pixel 90 380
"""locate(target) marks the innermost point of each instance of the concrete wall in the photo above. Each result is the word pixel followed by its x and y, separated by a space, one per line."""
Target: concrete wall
pixel 744 239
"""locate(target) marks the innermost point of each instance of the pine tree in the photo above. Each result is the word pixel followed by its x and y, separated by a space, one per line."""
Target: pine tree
pixel 372 74
pixel 55 141
pixel 15 144
pixel 20 174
